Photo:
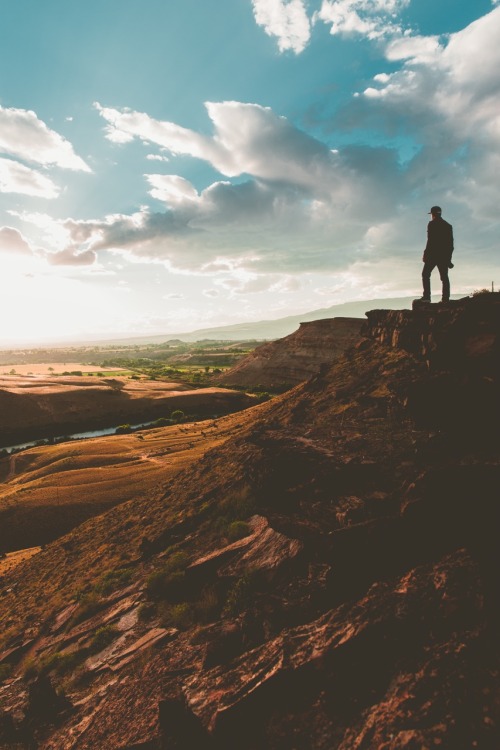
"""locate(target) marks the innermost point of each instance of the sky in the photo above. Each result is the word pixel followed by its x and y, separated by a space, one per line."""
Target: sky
pixel 171 165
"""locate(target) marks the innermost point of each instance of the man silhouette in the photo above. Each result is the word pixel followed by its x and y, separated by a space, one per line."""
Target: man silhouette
pixel 438 252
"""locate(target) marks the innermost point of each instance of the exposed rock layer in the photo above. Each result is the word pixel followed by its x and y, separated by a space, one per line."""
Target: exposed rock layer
pixel 282 364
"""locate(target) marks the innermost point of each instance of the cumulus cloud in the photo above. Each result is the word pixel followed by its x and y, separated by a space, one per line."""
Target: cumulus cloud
pixel 17 178
pixel 287 21
pixel 248 139
pixel 12 241
pixel 298 193
pixel 288 203
pixel 447 95
pixel 72 257
pixel 24 135
pixel 373 19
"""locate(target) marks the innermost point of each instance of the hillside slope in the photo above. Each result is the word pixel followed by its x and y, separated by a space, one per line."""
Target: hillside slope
pixel 282 364
pixel 39 407
pixel 326 578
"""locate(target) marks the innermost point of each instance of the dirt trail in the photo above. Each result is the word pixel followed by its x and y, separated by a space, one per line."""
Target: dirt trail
pixel 12 468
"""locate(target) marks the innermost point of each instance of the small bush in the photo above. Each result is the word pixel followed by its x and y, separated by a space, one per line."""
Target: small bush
pixel 123 429
pixel 207 607
pixel 241 595
pixel 67 662
pixel 164 585
pixel 89 605
pixel 169 582
pixel 58 662
pixel 112 580
pixel 237 530
pixel 180 616
pixel 103 638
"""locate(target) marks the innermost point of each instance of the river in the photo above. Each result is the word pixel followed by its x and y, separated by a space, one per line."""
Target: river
pixel 75 436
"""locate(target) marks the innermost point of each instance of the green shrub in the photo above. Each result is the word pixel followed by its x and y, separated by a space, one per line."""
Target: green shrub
pixel 123 429
pixel 237 530
pixel 180 616
pixel 112 580
pixel 103 637
pixel 164 585
pixel 88 606
pixel 58 662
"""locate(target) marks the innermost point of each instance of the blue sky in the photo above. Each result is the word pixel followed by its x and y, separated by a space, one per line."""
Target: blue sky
pixel 166 166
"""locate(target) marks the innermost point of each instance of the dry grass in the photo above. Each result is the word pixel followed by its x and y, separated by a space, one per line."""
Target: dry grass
pixel 56 367
pixel 49 490
pixel 12 559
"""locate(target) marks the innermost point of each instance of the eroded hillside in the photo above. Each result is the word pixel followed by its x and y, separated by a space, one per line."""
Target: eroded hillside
pixel 279 365
pixel 325 578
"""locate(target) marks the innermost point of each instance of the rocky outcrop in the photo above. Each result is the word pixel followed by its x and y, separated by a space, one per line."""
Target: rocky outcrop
pixel 283 364
pixel 462 334
pixel 460 345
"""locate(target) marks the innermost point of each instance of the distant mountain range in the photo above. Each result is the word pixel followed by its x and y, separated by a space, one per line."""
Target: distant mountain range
pixel 264 330
pixel 261 330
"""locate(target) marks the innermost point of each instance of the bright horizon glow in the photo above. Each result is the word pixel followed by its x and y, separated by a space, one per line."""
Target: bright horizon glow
pixel 187 165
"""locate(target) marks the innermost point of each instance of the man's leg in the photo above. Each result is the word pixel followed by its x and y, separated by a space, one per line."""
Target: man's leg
pixel 443 272
pixel 426 279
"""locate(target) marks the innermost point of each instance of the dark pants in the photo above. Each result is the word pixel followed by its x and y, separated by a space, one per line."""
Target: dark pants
pixel 426 279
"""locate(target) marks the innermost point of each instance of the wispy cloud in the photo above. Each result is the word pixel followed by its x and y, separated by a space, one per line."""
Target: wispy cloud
pixel 18 178
pixel 24 135
pixel 287 21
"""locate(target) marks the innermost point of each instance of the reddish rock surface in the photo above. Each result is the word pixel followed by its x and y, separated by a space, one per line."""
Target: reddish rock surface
pixel 284 363
pixel 357 610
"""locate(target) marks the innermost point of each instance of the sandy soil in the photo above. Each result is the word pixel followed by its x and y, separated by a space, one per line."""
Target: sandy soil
pixel 57 367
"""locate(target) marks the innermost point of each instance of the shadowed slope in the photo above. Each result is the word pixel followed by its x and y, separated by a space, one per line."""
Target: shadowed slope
pixel 326 578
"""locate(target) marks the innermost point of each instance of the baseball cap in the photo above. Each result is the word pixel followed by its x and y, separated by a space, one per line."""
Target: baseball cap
pixel 435 210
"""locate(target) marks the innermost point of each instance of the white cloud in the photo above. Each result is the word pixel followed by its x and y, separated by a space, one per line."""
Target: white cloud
pixel 24 135
pixel 417 49
pixel 12 241
pixel 287 21
pixel 72 257
pixel 157 157
pixel 171 188
pixel 373 19
pixel 448 94
pixel 248 139
pixel 17 178
pixel 298 194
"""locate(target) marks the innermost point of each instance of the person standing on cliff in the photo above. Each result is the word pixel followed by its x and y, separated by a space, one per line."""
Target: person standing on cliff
pixel 438 252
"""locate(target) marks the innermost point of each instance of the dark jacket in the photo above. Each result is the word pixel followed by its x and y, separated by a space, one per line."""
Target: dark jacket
pixel 439 248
